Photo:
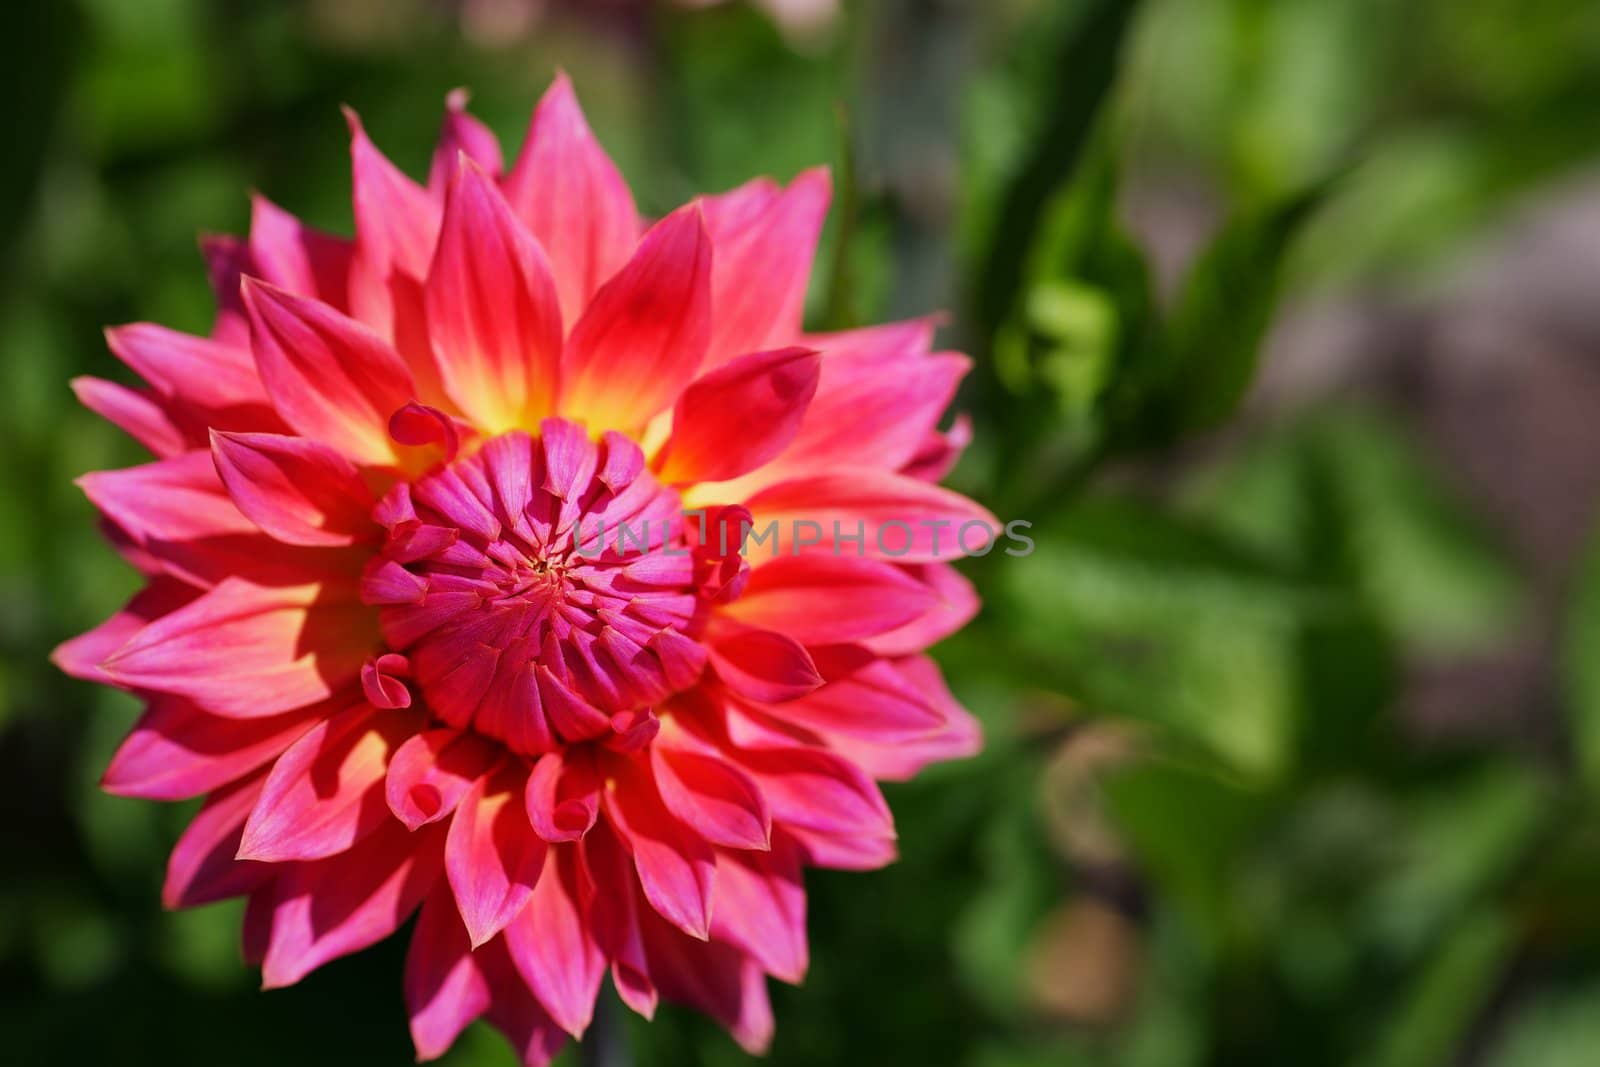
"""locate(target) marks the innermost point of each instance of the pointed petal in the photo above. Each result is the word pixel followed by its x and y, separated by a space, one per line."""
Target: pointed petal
pixel 675 865
pixel 740 415
pixel 81 656
pixel 761 908
pixel 297 258
pixel 330 377
pixel 896 518
pixel 821 600
pixel 445 989
pixel 204 382
pixel 326 792
pixel 493 857
pixel 643 336
pixel 136 412
pixel 954 605
pixel 461 134
pixel 177 751
pixel 715 978
pixel 874 411
pixel 712 797
pixel 245 650
pixel 813 789
pixel 299 491
pixel 563 796
pixel 553 947
pixel 202 867
pixel 615 916
pixel 764 240
pixel 319 911
pixel 492 310
pixel 570 196
pixel 514 1010
pixel 763 665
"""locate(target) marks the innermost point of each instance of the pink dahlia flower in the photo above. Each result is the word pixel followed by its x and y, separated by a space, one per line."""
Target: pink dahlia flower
pixel 446 606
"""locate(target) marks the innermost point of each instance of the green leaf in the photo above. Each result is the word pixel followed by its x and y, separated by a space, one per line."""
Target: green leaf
pixel 1581 663
pixel 1214 334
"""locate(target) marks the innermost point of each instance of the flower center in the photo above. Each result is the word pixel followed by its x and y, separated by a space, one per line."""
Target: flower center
pixel 544 589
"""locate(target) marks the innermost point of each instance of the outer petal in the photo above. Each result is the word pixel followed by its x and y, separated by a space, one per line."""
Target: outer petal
pixel 82 655
pixel 765 241
pixel 515 1012
pixel 202 867
pixel 644 334
pixel 177 751
pixel 444 986
pixel 319 911
pixel 761 908
pixel 740 415
pixel 136 412
pixel 955 603
pixel 492 310
pixel 826 599
pixel 571 197
pixel 715 978
pixel 763 665
pixel 553 946
pixel 326 792
pixel 873 702
pixel 244 650
pixel 295 257
pixel 711 797
pixel 897 518
pixel 203 382
pixel 177 511
pixel 813 789
pixel 299 491
pixel 330 377
pixel 493 857
pixel 461 134
pixel 675 865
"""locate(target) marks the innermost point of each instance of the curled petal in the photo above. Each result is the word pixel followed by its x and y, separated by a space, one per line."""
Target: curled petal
pixel 432 771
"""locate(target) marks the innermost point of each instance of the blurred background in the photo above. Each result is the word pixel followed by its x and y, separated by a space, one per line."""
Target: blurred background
pixel 1287 324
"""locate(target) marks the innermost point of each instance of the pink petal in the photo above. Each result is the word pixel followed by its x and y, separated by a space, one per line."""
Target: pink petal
pixel 615 916
pixel 492 310
pixel 202 867
pixel 873 702
pixel 326 792
pixel 297 258
pixel 553 947
pixel 570 196
pixel 136 412
pixel 740 415
pixel 178 512
pixel 318 911
pixel 675 865
pixel 897 518
pixel 82 655
pixel 874 411
pixel 843 852
pixel 299 491
pixel 763 665
pixel 204 383
pixel 461 134
pixel 330 377
pixel 813 789
pixel 715 978
pixel 912 337
pixel 764 241
pixel 432 771
pixel 643 336
pixel 563 797
pixel 246 650
pixel 954 605
pixel 445 989
pixel 761 908
pixel 714 798
pixel 177 751
pixel 493 857
pixel 828 599
pixel 227 260
pixel 515 1012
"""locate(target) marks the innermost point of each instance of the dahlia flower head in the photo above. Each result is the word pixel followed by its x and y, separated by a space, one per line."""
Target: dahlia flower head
pixel 447 612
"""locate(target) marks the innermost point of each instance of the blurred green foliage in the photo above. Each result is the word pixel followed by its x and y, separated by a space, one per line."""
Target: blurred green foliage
pixel 1202 832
